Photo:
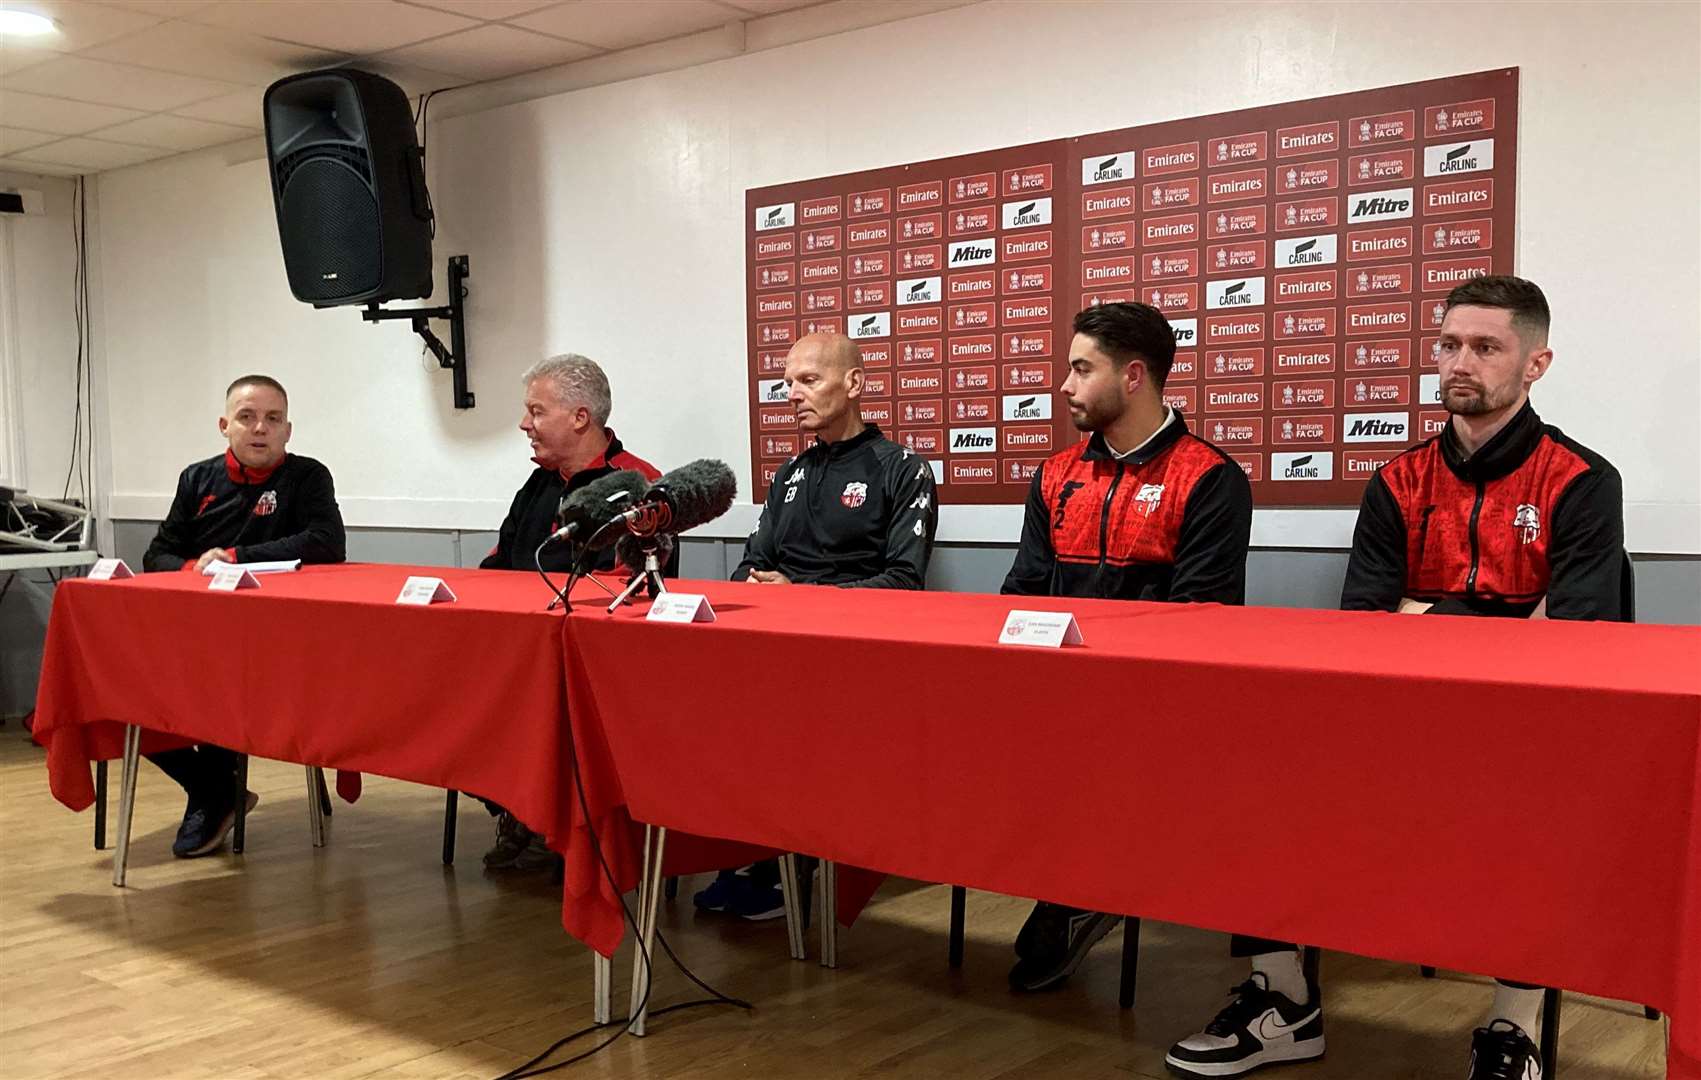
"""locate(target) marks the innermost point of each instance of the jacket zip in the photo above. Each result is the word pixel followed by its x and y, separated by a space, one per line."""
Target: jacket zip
pixel 1104 516
pixel 1476 510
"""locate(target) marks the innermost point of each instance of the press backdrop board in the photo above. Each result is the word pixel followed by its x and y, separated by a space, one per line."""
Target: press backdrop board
pixel 1301 251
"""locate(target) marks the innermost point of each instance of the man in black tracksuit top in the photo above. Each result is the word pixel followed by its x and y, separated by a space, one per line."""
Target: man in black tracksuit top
pixel 1142 510
pixel 854 509
pixel 254 503
pixel 1499 516
pixel 565 418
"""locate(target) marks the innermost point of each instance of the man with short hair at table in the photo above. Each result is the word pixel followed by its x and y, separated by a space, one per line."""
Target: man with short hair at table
pixel 256 502
pixel 1141 510
pixel 1500 515
pixel 853 509
pixel 565 418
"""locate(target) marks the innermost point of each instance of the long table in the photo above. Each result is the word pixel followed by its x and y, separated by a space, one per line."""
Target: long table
pixel 1520 799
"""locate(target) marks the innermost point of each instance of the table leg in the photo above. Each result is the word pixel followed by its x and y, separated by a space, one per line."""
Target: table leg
pixel 451 803
pixel 794 911
pixel 315 808
pixel 649 899
pixel 954 954
pixel 602 988
pixel 828 906
pixel 126 801
pixel 100 805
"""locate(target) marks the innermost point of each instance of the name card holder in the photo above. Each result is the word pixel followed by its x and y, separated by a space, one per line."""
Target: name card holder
pixel 1041 629
pixel 110 570
pixel 678 607
pixel 232 580
pixel 424 591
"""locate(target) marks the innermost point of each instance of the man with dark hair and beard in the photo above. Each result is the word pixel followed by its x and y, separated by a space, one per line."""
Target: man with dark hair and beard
pixel 1499 515
pixel 1142 510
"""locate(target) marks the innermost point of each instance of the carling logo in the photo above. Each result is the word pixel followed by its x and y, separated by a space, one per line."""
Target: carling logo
pixel 1448 159
pixel 1027 406
pixel 1304 251
pixel 918 291
pixel 1103 169
pixel 778 216
pixel 877 325
pixel 1317 465
pixel 1234 293
pixel 1027 214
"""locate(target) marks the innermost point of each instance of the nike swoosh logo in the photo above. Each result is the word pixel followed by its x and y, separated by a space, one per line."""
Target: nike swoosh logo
pixel 1270 1026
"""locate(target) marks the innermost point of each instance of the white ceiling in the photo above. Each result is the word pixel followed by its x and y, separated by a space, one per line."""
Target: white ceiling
pixel 126 81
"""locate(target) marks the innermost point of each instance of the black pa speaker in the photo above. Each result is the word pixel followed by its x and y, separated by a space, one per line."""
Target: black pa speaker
pixel 349 185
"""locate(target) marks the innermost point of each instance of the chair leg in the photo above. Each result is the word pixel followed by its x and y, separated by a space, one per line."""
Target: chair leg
pixel 315 808
pixel 239 839
pixel 829 913
pixel 100 806
pixel 1130 960
pixel 1311 961
pixel 324 791
pixel 959 897
pixel 1550 1033
pixel 1428 972
pixel 451 803
pixel 1650 1012
pixel 671 889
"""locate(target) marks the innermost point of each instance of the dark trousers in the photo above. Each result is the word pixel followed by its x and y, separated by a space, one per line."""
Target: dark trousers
pixel 206 772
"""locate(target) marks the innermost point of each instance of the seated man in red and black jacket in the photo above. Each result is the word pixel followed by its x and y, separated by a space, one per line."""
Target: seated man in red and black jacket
pixel 253 503
pixel 1499 515
pixel 567 405
pixel 1141 510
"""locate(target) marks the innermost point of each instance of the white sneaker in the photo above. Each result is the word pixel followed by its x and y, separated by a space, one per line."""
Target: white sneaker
pixel 1259 1027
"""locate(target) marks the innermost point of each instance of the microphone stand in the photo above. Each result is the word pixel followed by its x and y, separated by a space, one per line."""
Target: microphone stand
pixel 593 579
pixel 650 574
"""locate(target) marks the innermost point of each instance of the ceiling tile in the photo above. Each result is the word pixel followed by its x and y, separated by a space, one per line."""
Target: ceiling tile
pixel 81 23
pixel 241 108
pixel 170 9
pixel 770 7
pixel 486 9
pixel 491 52
pixel 110 84
pixel 91 154
pixel 38 168
pixel 58 115
pixel 174 132
pixel 13 140
pixel 367 26
pixel 414 81
pixel 617 24
pixel 16 54
pixel 212 52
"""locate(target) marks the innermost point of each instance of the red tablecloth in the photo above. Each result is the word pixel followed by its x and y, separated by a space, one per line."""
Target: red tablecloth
pixel 322 667
pixel 1375 783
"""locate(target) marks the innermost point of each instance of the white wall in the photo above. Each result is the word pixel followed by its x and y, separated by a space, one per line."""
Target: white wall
pixel 38 332
pixel 608 221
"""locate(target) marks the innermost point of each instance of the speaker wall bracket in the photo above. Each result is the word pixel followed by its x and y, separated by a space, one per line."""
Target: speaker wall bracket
pixel 454 357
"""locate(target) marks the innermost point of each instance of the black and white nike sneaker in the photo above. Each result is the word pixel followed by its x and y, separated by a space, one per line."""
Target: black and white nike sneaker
pixel 1501 1051
pixel 1052 944
pixel 1259 1027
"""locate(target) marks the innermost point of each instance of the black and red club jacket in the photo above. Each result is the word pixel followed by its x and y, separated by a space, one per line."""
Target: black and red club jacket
pixel 1169 521
pixel 1531 515
pixel 286 512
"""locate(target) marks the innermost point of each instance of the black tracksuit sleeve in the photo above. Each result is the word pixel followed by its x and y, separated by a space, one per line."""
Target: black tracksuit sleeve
pixel 171 545
pixel 1030 574
pixel 1376 569
pixel 761 551
pixel 909 534
pixel 1586 556
pixel 502 557
pixel 321 540
pixel 1210 553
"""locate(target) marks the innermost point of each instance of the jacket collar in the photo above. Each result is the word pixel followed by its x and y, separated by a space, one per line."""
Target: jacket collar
pixel 1168 436
pixel 1511 446
pixel 242 474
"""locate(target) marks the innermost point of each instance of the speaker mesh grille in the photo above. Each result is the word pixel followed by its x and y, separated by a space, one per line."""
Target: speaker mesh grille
pixel 332 238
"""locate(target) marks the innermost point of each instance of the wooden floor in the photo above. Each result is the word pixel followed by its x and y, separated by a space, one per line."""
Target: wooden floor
pixel 369 958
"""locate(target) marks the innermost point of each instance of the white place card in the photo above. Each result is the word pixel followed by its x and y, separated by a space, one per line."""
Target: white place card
pixel 1044 629
pixel 232 580
pixel 681 607
pixel 109 570
pixel 426 590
